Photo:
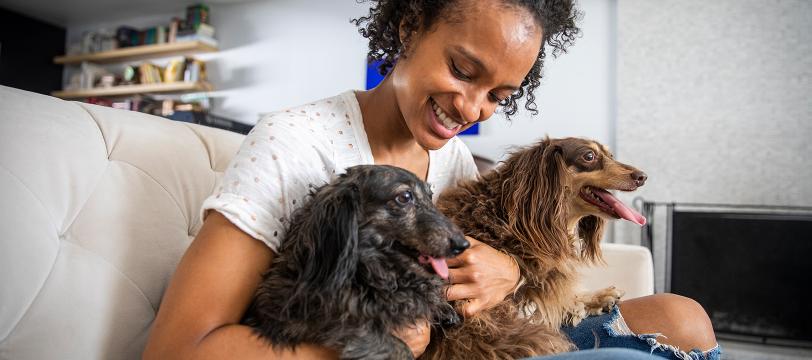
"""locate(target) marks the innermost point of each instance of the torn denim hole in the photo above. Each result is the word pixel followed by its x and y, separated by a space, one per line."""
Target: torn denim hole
pixel 617 327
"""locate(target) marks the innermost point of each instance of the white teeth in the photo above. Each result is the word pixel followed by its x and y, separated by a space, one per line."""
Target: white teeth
pixel 444 119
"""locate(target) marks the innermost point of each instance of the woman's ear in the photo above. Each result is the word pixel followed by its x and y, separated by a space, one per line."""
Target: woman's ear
pixel 402 32
pixel 590 230
pixel 406 36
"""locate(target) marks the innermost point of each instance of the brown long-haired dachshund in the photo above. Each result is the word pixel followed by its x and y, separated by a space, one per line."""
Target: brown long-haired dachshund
pixel 545 206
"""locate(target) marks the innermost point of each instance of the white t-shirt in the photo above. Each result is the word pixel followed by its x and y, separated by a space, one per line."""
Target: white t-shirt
pixel 290 152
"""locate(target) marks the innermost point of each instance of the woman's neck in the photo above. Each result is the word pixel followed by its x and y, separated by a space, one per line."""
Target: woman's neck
pixel 389 138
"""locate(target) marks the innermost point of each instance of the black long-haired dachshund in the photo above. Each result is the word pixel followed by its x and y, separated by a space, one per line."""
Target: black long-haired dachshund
pixel 360 259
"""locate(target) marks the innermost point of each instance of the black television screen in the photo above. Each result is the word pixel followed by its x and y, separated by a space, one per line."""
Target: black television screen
pixel 750 271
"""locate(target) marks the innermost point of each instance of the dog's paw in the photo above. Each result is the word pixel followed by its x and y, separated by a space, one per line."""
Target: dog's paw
pixel 603 300
pixel 576 312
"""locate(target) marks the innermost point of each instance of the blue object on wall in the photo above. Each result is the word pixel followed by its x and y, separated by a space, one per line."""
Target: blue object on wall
pixel 374 78
pixel 473 130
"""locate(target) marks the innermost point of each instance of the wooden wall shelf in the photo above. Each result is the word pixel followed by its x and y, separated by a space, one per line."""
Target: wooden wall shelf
pixel 123 90
pixel 138 52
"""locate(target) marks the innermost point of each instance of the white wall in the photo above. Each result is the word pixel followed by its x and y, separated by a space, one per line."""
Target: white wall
pixel 715 102
pixel 285 52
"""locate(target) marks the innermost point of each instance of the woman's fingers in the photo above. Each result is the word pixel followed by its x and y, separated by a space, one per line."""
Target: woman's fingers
pixel 462 291
pixel 471 307
pixel 481 275
pixel 469 256
pixel 416 337
pixel 458 276
pixel 455 262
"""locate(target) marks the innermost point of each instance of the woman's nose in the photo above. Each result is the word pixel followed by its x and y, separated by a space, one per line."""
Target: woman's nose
pixel 473 108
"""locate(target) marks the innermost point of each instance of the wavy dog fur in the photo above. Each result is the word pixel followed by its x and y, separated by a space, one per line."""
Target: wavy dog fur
pixel 530 208
pixel 347 272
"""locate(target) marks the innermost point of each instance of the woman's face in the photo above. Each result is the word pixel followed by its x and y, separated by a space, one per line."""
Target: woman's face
pixel 455 74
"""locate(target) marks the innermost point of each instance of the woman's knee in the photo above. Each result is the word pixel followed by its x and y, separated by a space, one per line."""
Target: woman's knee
pixel 682 320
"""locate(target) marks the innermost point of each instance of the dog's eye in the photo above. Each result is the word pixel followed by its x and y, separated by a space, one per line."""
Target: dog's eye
pixel 589 156
pixel 404 197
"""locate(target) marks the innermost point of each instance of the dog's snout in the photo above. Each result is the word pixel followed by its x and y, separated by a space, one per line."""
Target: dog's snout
pixel 639 177
pixel 458 245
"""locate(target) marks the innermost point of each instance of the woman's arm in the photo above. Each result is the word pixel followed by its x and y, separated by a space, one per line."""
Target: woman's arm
pixel 211 289
pixel 483 275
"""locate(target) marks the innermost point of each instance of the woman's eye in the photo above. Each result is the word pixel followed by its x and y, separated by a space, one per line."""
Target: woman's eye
pixel 458 73
pixel 404 198
pixel 589 156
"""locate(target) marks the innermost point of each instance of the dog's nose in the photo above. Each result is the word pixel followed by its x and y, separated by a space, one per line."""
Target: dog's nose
pixel 639 177
pixel 458 245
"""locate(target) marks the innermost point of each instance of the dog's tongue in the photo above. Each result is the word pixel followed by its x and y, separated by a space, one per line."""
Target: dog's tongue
pixel 620 208
pixel 438 264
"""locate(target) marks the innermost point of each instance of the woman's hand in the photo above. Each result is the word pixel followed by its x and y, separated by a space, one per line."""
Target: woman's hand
pixel 482 275
pixel 416 337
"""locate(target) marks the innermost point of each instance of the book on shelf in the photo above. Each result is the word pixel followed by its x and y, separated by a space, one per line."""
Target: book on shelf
pixel 149 73
pixel 174 70
pixel 195 37
pixel 194 70
pixel 160 35
pixel 195 27
pixel 202 29
pixel 173 30
pixel 127 36
pixel 197 15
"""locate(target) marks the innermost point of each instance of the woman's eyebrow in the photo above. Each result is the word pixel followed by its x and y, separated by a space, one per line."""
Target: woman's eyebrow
pixel 481 65
pixel 471 57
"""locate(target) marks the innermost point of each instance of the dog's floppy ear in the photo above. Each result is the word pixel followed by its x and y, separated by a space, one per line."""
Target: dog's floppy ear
pixel 331 236
pixel 534 192
pixel 590 230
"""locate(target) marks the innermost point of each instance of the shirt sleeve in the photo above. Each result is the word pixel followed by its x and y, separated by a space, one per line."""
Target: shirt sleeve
pixel 277 165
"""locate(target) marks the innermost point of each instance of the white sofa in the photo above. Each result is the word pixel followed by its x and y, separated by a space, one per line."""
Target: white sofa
pixel 97 207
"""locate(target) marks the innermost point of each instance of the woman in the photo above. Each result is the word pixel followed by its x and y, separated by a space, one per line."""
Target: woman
pixel 457 62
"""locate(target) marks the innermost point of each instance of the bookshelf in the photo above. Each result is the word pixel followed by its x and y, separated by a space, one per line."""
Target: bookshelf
pixel 125 90
pixel 142 52
pixel 139 53
pixel 125 76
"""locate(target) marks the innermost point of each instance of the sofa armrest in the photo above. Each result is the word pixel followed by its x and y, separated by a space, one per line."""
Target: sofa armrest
pixel 628 267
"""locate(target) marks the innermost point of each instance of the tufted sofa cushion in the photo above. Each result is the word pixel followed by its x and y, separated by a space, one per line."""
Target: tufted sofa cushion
pixel 97 207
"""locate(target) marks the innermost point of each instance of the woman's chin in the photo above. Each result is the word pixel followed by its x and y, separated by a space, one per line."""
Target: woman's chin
pixel 431 142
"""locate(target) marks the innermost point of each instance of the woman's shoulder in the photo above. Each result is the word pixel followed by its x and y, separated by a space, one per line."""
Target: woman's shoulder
pixel 324 112
pixel 314 123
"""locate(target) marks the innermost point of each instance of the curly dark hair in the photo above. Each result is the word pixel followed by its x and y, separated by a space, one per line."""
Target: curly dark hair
pixel 557 18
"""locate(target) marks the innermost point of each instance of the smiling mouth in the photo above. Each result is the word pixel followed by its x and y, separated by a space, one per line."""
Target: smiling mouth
pixel 445 120
pixel 610 205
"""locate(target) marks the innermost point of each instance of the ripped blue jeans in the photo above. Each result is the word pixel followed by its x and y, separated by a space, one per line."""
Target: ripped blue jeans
pixel 610 331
